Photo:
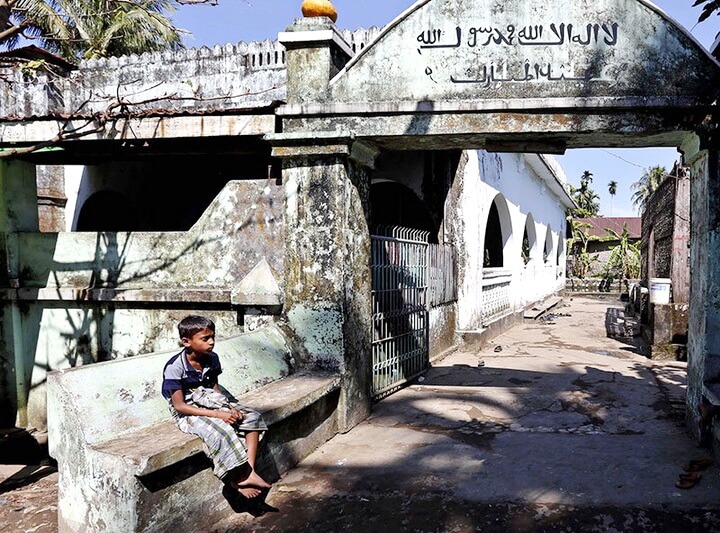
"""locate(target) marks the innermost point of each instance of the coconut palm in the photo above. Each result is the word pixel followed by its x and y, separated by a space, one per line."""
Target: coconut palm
pixel 710 7
pixel 612 189
pixel 585 198
pixel 92 28
pixel 646 185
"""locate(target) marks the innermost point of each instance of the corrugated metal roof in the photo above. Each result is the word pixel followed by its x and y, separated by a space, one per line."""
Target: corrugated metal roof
pixel 32 52
pixel 599 224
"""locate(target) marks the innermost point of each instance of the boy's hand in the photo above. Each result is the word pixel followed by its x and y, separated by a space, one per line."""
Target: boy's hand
pixel 231 417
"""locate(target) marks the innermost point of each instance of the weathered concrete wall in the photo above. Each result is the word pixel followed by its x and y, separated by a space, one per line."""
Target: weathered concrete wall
pixel 445 51
pixel 18 212
pixel 327 264
pixel 222 78
pixel 666 222
pixel 703 157
pixel 86 297
pixel 443 321
pixel 51 198
pixel 243 224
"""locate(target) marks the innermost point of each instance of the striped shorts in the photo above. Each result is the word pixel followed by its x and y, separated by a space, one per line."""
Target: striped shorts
pixel 223 443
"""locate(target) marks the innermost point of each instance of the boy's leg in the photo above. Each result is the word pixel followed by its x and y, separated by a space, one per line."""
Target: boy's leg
pixel 252 439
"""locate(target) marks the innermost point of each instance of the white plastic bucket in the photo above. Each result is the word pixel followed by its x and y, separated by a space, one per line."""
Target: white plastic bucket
pixel 660 290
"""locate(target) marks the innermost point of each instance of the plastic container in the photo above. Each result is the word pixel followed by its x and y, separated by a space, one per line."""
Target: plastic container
pixel 660 290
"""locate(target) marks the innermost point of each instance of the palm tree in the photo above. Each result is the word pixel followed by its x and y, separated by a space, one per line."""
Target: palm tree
pixel 646 185
pixel 92 28
pixel 612 189
pixel 710 7
pixel 585 198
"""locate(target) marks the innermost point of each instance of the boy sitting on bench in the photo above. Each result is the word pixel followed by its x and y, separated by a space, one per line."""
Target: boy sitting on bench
pixel 231 433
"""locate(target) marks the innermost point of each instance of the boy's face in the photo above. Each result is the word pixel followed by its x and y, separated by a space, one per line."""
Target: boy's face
pixel 201 343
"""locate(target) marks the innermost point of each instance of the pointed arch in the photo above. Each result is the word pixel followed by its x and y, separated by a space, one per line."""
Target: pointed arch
pixel 548 249
pixel 529 240
pixel 498 231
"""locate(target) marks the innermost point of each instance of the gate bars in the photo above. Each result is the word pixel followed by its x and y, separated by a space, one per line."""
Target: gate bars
pixel 409 275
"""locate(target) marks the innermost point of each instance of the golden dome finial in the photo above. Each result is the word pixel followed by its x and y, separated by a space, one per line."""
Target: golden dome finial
pixel 319 8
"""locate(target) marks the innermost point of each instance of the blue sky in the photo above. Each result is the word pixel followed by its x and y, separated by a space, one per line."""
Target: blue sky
pixel 233 21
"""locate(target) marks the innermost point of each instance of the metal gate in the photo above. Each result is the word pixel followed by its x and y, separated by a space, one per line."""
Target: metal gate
pixel 400 310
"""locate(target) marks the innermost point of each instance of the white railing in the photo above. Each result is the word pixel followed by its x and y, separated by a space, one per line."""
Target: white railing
pixel 495 293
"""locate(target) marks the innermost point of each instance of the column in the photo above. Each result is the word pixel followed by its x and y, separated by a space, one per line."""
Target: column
pixel 327 260
pixel 702 156
pixel 18 213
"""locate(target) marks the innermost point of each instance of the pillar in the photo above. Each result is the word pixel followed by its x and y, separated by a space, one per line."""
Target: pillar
pixel 18 213
pixel 327 304
pixel 702 155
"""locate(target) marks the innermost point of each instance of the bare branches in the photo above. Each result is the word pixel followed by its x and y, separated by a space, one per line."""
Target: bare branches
pixel 119 108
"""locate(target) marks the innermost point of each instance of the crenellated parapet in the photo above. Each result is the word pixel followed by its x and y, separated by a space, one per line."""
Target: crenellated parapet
pixel 231 77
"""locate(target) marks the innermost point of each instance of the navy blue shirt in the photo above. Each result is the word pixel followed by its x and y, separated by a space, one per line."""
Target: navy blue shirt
pixel 179 374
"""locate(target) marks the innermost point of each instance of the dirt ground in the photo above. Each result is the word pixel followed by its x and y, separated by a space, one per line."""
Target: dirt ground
pixel 557 426
pixel 28 498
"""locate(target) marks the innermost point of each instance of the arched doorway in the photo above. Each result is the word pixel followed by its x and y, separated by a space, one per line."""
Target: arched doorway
pixel 431 79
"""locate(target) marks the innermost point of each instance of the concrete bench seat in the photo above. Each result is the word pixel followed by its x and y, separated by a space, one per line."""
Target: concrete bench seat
pixel 161 445
pixel 123 464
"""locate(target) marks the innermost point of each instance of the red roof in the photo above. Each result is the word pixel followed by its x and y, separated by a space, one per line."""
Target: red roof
pixel 634 226
pixel 32 52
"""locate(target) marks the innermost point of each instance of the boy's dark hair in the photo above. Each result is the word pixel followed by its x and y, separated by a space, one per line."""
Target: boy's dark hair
pixel 191 324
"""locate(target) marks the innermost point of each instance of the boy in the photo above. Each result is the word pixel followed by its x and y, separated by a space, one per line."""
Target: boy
pixel 190 384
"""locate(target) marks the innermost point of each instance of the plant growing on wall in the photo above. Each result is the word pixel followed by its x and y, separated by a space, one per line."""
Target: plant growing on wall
pixel 624 260
pixel 577 245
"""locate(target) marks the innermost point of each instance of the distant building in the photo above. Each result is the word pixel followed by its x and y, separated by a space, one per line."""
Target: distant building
pixel 601 241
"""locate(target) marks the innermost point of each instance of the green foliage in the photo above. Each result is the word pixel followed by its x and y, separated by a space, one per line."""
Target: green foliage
pixel 31 68
pixel 612 188
pixel 646 186
pixel 577 246
pixel 78 29
pixel 710 7
pixel 585 198
pixel 624 260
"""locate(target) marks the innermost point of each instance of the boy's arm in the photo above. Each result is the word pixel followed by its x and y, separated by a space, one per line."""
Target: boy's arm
pixel 178 401
pixel 217 388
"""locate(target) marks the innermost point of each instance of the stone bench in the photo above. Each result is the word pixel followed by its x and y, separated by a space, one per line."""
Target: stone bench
pixel 124 465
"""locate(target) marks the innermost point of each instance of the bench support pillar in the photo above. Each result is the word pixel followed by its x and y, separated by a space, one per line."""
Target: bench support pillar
pixel 327 259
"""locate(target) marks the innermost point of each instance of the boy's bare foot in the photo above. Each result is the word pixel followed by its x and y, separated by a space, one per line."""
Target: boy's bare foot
pixel 254 480
pixel 249 492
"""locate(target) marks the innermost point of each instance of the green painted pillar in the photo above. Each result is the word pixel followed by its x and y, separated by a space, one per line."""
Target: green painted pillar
pixel 18 213
pixel 327 260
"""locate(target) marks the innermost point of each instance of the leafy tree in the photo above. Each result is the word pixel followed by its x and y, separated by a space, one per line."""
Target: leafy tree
pixel 710 7
pixel 646 185
pixel 91 28
pixel 612 189
pixel 624 260
pixel 585 198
